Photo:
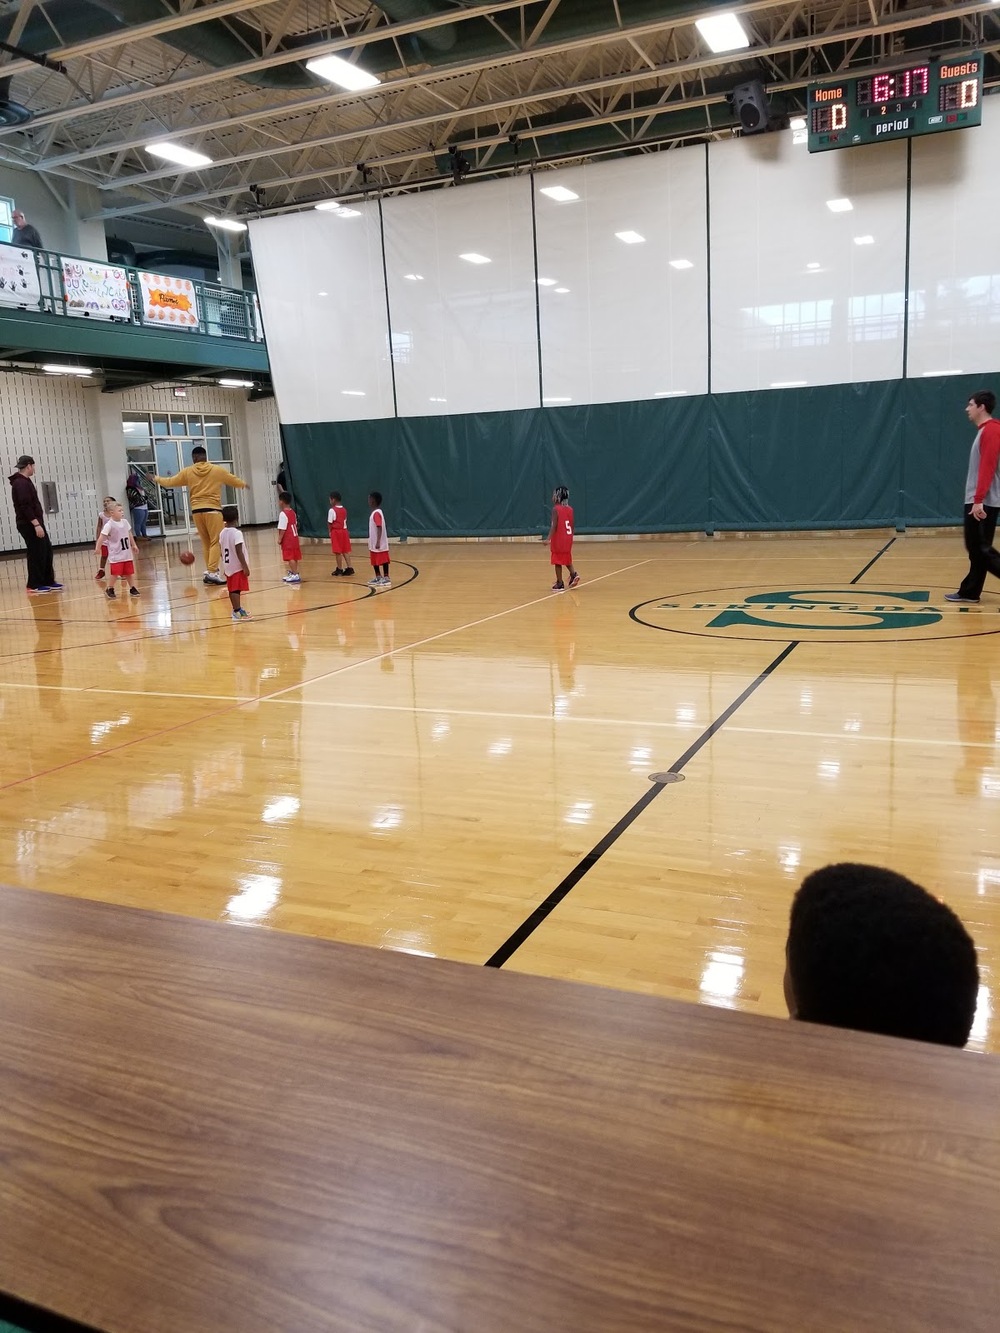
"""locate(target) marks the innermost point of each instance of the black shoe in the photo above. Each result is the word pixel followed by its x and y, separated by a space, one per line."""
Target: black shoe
pixel 109 592
pixel 336 573
pixel 133 592
pixel 348 570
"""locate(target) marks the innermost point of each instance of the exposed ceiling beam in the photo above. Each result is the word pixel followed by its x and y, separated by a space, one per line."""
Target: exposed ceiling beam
pixel 288 57
pixel 156 28
pixel 673 70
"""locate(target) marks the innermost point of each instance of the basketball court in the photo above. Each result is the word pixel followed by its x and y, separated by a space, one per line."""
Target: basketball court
pixel 462 766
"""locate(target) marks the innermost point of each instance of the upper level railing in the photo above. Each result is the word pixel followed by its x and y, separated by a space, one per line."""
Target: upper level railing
pixel 77 288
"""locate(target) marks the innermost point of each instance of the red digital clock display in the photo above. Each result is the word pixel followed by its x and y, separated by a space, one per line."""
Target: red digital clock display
pixel 897 86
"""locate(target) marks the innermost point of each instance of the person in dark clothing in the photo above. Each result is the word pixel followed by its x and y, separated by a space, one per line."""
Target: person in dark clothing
pixel 28 517
pixel 24 233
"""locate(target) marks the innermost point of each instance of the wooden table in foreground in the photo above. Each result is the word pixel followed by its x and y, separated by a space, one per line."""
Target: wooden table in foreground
pixel 204 1127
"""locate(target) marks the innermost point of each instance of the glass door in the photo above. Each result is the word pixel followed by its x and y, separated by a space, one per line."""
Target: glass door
pixel 160 443
pixel 175 504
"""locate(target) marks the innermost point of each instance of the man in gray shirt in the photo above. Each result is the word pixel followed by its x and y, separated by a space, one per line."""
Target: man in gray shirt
pixel 24 234
pixel 982 498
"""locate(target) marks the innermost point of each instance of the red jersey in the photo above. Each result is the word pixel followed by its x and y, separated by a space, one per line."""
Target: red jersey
pixel 340 539
pixel 562 538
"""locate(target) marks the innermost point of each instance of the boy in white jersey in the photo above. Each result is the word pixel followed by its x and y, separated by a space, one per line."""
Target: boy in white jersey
pixel 102 547
pixel 117 534
pixel 234 560
pixel 378 543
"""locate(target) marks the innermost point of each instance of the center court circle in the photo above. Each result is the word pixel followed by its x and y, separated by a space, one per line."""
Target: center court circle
pixel 890 613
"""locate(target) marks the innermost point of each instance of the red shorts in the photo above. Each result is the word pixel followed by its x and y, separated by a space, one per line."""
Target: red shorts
pixel 238 582
pixel 561 555
pixel 291 550
pixel 104 551
pixel 125 570
pixel 378 558
pixel 340 540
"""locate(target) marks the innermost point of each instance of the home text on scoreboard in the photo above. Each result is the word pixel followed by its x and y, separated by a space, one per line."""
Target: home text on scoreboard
pixel 941 94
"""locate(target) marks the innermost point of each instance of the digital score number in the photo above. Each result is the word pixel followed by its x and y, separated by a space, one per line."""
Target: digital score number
pixel 942 94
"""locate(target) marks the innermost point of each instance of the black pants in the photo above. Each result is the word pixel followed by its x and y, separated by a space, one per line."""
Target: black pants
pixel 983 559
pixel 40 571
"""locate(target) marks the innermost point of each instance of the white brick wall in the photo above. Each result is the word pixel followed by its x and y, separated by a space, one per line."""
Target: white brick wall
pixel 74 434
pixel 48 418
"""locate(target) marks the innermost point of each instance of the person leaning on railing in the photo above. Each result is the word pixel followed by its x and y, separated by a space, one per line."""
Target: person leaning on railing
pixel 24 233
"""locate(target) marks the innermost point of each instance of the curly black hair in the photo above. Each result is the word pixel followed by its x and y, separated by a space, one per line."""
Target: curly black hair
pixel 869 949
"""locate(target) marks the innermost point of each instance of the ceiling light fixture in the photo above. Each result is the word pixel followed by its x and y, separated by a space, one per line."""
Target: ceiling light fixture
pixel 559 193
pixel 227 224
pixel 723 32
pixel 176 152
pixel 235 384
pixel 54 369
pixel 335 69
pixel 797 123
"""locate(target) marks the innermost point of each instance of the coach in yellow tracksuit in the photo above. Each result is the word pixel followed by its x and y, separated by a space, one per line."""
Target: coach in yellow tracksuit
pixel 205 481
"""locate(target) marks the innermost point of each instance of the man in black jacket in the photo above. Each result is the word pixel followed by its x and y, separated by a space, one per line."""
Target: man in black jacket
pixel 28 517
pixel 24 234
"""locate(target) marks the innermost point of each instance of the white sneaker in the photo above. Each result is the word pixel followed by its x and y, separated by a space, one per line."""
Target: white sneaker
pixel 386 583
pixel 213 578
pixel 292 578
pixel 374 583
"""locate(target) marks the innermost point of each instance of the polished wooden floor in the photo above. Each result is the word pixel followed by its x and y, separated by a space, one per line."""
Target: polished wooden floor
pixel 422 768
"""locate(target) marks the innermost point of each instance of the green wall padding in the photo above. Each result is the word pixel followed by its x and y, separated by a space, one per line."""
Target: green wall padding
pixel 885 453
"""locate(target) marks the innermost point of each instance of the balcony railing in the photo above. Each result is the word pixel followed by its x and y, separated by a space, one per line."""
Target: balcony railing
pixel 77 288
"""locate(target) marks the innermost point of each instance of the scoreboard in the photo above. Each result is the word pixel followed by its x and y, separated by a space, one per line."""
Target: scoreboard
pixel 941 94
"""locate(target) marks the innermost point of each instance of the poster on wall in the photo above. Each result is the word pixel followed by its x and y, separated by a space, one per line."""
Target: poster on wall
pixel 95 291
pixel 168 302
pixel 19 278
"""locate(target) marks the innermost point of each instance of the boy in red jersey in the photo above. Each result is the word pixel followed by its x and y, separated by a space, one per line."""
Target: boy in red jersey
pixel 561 539
pixel 340 538
pixel 288 538
pixel 117 535
pixel 234 561
pixel 378 543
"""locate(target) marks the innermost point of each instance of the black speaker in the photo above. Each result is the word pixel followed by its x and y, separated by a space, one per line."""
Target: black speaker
pixel 750 107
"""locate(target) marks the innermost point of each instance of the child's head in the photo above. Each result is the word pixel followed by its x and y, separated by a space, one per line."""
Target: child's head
pixel 868 949
pixel 560 495
pixel 335 497
pixel 109 500
pixel 115 510
pixel 374 499
pixel 285 499
pixel 199 454
pixel 230 515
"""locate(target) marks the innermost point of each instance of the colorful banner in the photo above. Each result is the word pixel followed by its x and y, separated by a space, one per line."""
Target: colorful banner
pixel 168 302
pixel 95 291
pixel 19 277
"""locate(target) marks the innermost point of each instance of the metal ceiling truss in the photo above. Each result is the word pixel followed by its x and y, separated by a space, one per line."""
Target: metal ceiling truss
pixel 552 82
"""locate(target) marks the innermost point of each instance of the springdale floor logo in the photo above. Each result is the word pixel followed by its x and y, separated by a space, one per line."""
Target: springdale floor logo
pixel 823 615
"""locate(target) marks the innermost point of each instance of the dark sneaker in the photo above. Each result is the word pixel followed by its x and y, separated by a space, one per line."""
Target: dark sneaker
pixel 109 592
pixel 336 573
pixel 957 597
pixel 558 587
pixel 349 570
pixel 133 592
pixel 55 587
pixel 99 574
pixel 574 580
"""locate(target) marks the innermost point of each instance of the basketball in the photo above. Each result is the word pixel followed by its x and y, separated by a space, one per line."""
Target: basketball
pixel 187 557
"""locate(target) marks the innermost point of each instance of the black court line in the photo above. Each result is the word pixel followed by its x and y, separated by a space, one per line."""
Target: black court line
pixel 878 556
pixel 193 626
pixel 544 909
